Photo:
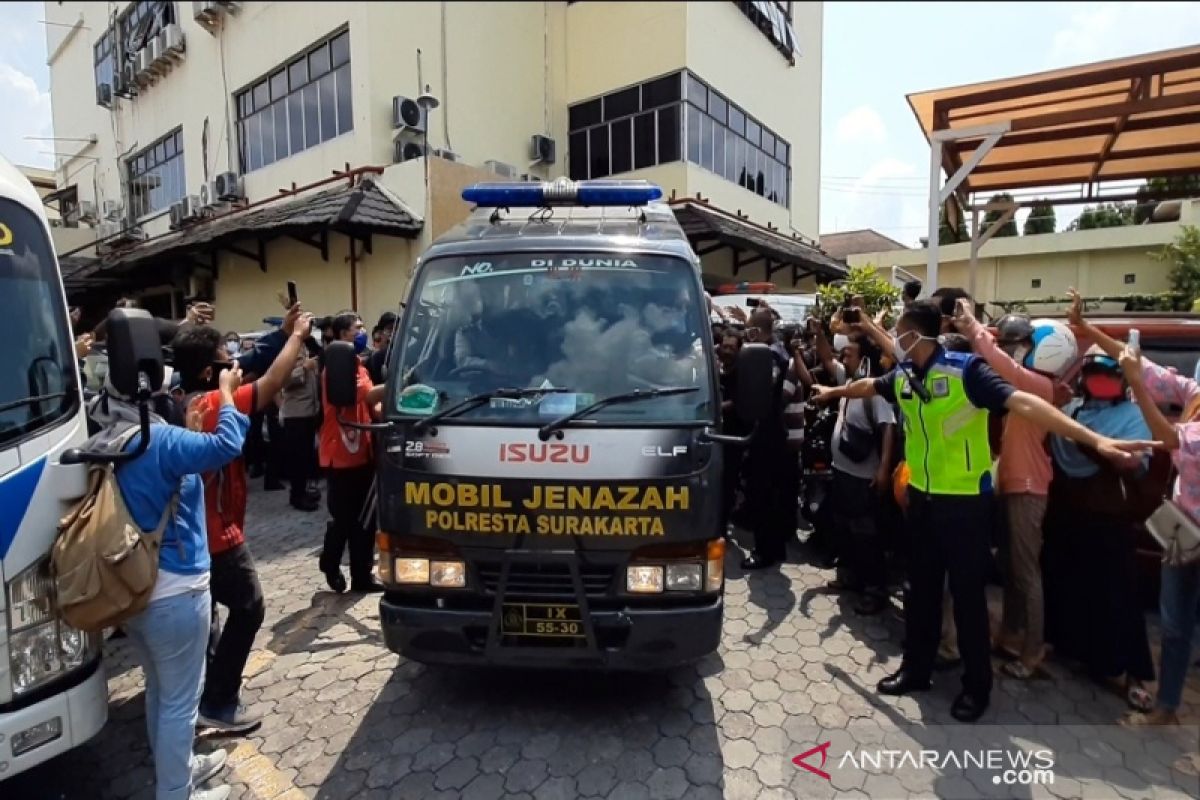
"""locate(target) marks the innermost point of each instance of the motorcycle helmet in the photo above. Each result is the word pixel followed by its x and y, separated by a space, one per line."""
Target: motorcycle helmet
pixel 1101 378
pixel 1054 348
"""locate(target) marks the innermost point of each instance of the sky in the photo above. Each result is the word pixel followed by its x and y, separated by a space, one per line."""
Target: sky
pixel 874 159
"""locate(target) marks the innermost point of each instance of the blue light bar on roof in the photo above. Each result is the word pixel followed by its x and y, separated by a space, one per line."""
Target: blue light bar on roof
pixel 562 192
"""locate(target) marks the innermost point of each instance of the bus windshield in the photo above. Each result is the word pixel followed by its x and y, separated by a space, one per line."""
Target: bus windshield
pixel 37 369
pixel 587 325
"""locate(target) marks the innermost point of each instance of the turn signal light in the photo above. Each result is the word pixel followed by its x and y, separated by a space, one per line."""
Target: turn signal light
pixel 714 566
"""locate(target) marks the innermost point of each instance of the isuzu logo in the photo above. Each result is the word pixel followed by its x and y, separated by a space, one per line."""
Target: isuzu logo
pixel 657 451
pixel 545 453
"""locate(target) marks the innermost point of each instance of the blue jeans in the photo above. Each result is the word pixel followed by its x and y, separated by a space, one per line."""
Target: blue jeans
pixel 1177 603
pixel 171 636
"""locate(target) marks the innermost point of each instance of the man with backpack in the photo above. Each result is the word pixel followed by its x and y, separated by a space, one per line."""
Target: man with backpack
pixel 200 355
pixel 162 492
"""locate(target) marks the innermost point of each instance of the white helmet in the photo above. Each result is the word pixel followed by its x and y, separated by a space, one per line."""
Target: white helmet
pixel 1054 348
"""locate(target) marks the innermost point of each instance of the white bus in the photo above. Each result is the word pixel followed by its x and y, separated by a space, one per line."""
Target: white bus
pixel 53 694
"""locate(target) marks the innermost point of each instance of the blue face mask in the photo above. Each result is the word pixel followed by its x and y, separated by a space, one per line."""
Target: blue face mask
pixel 360 341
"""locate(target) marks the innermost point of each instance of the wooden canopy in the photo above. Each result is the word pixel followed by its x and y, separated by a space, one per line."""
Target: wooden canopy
pixel 1129 118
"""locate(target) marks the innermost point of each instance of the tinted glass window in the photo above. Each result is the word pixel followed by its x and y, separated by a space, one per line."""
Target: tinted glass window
pixel 598 152
pixel 623 103
pixel 660 92
pixel 340 48
pixel 584 115
pixel 697 92
pixel 753 132
pixel 318 61
pixel 669 145
pixel 38 358
pixel 622 146
pixel 717 107
pixel 693 135
pixel 578 155
pixel 643 136
pixel 279 87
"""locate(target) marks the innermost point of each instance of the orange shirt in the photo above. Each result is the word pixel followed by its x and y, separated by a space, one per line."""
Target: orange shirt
pixel 340 447
pixel 225 489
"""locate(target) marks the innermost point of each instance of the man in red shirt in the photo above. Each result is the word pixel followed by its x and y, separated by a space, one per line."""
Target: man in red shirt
pixel 200 356
pixel 346 456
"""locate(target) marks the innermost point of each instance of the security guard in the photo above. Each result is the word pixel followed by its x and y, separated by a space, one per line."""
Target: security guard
pixel 945 399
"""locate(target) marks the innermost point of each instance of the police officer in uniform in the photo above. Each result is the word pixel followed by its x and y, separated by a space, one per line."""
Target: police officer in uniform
pixel 945 399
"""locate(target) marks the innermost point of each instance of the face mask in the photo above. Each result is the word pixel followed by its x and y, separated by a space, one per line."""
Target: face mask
pixel 1104 387
pixel 232 348
pixel 864 368
pixel 360 341
pixel 902 351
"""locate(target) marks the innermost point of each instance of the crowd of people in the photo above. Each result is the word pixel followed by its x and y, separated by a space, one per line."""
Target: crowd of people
pixel 936 457
pixel 933 457
pixel 235 408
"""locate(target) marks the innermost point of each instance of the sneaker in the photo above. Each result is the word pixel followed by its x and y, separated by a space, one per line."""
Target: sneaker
pixel 219 793
pixel 368 586
pixel 207 766
pixel 233 719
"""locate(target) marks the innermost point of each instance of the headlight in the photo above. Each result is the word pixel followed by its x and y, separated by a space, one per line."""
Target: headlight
pixel 412 570
pixel 448 574
pixel 684 577
pixel 30 598
pixel 41 647
pixel 35 657
pixel 644 579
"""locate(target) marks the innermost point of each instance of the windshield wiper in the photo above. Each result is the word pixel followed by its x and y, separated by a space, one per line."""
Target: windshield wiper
pixel 29 401
pixel 636 395
pixel 480 399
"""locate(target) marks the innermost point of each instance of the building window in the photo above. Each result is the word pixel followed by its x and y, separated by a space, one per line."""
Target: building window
pixel 1130 278
pixel 723 138
pixel 156 178
pixel 302 103
pixel 104 54
pixel 1036 283
pixel 628 129
pixel 774 19
pixel 676 118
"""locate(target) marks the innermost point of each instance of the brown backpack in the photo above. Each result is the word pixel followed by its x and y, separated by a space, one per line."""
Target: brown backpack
pixel 105 566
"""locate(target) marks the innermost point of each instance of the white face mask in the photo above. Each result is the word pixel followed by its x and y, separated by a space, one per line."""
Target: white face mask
pixel 902 351
pixel 232 348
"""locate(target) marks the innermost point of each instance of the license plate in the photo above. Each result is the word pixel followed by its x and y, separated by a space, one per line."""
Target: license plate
pixel 541 619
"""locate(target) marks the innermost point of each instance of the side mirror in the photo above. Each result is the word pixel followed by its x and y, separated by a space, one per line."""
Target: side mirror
pixel 753 398
pixel 134 352
pixel 341 374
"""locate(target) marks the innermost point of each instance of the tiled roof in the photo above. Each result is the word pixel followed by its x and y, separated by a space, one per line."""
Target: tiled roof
pixel 363 209
pixel 847 243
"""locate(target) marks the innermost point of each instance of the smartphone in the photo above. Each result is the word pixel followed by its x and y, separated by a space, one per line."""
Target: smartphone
pixel 852 315
pixel 752 302
pixel 1135 339
pixel 291 294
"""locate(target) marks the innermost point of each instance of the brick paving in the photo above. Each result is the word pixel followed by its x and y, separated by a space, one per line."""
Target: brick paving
pixel 346 718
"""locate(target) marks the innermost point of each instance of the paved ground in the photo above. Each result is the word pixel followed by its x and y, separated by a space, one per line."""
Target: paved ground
pixel 345 718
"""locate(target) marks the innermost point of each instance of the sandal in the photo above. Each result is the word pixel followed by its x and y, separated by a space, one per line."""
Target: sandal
pixel 1139 698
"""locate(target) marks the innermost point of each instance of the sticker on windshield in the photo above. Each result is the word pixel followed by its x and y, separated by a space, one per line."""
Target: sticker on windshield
pixel 419 399
pixel 6 239
pixel 558 405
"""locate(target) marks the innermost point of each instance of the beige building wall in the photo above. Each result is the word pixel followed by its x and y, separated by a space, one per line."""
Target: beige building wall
pixel 502 71
pixel 1103 261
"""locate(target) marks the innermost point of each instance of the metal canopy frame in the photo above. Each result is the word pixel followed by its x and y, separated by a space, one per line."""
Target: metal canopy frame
pixel 1085 126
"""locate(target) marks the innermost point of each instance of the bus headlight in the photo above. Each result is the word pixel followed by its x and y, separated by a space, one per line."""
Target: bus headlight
pixel 41 647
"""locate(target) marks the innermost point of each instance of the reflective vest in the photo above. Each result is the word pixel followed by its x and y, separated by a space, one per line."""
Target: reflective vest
pixel 946 439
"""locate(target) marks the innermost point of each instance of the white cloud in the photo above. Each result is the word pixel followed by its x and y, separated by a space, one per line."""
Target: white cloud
pixel 863 124
pixel 1112 30
pixel 26 113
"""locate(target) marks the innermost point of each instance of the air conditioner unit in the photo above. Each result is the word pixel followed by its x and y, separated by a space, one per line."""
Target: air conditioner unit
pixel 160 62
pixel 86 211
pixel 192 206
pixel 178 212
pixel 408 115
pixel 125 81
pixel 446 153
pixel 501 169
pixel 206 12
pixel 541 149
pixel 407 151
pixel 113 210
pixel 144 75
pixel 173 42
pixel 227 186
pixel 104 94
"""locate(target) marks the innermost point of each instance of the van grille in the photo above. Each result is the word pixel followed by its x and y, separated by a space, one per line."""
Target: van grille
pixel 546 580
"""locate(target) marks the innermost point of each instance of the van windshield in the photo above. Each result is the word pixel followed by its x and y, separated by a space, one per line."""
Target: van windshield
pixel 37 368
pixel 588 326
